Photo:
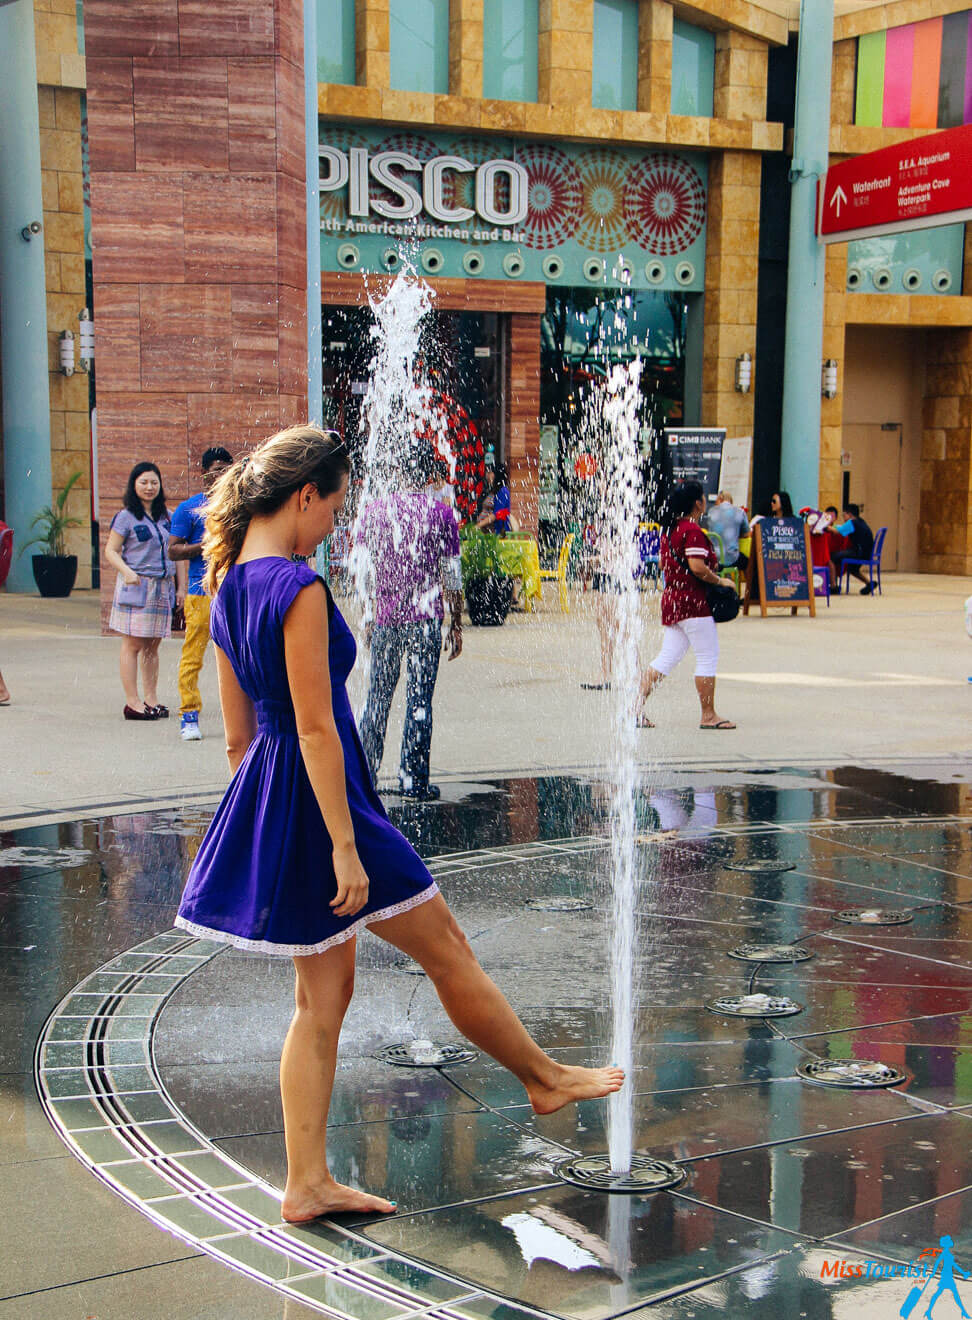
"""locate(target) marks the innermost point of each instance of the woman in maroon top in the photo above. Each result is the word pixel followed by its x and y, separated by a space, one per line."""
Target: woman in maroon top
pixel 689 564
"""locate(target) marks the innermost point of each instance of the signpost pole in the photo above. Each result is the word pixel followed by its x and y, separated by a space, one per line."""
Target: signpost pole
pixel 800 450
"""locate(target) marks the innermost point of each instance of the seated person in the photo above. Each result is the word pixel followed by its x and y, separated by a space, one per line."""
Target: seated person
pixel 495 517
pixel 729 523
pixel 861 545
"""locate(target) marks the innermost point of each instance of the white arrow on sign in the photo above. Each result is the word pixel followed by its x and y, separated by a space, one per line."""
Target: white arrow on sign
pixel 838 198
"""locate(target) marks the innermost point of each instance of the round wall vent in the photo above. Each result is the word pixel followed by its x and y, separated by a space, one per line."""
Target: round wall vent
pixel 911 279
pixel 882 278
pixel 391 259
pixel 855 277
pixel 685 272
pixel 473 263
pixel 513 264
pixel 347 255
pixel 655 272
pixel 942 281
pixel 432 260
pixel 553 267
pixel 593 270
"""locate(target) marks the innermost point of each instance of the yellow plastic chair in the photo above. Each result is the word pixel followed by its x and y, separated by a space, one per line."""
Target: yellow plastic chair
pixel 559 574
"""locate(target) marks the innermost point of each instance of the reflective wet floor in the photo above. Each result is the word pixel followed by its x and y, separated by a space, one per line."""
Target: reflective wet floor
pixel 158 1057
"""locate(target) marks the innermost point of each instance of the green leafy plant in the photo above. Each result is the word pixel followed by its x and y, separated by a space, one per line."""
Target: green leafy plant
pixel 54 522
pixel 479 556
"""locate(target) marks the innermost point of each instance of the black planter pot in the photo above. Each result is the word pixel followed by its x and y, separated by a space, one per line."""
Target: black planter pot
pixel 54 574
pixel 488 600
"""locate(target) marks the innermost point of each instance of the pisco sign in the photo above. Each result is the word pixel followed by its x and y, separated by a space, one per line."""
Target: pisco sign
pixel 405 187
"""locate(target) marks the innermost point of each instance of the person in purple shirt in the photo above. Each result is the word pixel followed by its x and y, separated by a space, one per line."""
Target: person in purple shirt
pixel 412 541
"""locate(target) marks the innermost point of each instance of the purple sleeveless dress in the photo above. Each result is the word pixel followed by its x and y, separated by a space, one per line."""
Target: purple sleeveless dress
pixel 263 877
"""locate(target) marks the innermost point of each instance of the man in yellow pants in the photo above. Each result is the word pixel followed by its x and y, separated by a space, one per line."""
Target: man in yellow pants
pixel 185 547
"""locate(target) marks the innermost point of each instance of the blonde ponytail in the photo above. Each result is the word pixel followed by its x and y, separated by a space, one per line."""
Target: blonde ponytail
pixel 259 483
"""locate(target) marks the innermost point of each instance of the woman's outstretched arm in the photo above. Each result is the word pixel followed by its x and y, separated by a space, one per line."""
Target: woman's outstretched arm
pixel 305 650
pixel 239 720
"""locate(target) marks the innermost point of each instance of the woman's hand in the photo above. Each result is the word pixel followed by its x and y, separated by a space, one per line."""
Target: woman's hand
pixel 352 883
pixel 727 582
pixel 180 598
pixel 131 577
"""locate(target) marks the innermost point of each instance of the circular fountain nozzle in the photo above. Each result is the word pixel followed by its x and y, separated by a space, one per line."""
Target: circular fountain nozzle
pixel 646 1175
pixel 874 917
pixel 761 866
pixel 770 953
pixel 559 903
pixel 858 1074
pixel 754 1006
pixel 425 1054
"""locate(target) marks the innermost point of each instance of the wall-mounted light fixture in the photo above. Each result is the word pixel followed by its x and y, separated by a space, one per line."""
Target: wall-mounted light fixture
pixel 828 379
pixel 28 231
pixel 744 373
pixel 86 325
pixel 66 345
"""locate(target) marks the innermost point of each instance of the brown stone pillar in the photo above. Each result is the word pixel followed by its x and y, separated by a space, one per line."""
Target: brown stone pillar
pixel 566 52
pixel 466 48
pixel 522 417
pixel 945 512
pixel 655 56
pixel 198 221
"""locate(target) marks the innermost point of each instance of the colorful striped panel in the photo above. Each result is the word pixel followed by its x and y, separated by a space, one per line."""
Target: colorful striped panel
pixel 918 75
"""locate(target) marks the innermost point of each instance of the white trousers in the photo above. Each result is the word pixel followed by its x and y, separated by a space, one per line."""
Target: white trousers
pixel 700 635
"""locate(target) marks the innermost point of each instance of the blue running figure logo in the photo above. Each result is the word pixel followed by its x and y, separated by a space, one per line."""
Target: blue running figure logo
pixel 943 1259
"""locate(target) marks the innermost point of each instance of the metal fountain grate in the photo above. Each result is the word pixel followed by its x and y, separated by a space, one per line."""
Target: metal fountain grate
pixel 754 1006
pixel 593 1172
pixel 425 1054
pixel 761 866
pixel 770 953
pixel 559 903
pixel 874 917
pixel 410 966
pixel 858 1074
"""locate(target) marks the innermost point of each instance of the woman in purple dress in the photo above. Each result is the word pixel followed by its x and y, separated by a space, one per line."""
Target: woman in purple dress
pixel 300 854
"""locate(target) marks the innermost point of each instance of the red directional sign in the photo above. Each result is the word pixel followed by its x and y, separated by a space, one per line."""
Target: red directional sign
pixel 914 185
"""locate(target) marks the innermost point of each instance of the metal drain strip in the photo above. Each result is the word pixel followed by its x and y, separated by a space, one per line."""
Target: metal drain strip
pixel 223 1210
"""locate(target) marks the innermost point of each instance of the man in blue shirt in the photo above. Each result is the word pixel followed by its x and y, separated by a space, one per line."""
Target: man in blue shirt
pixel 185 547
pixel 861 546
pixel 729 523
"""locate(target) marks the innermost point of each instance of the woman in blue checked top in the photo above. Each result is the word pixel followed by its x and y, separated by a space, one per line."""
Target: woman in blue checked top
pixel 141 609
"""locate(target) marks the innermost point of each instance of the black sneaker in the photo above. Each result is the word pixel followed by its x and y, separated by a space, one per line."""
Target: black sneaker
pixel 422 793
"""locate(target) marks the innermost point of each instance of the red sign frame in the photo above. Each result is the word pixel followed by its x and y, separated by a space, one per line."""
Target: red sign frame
pixel 912 185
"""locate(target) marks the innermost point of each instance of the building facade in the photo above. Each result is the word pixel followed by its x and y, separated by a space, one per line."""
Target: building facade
pixel 578 180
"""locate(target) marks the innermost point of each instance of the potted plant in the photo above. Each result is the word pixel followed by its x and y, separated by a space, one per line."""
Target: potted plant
pixel 487 585
pixel 55 571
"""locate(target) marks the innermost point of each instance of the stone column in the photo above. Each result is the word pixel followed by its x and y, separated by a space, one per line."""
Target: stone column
pixel 741 64
pixel 945 511
pixel 566 52
pixel 731 269
pixel 655 56
pixel 198 214
pixel 832 410
pixel 23 308
pixel 371 43
pixel 466 48
pixel 522 390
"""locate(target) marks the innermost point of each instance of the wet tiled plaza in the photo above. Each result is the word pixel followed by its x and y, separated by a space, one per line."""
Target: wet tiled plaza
pixel 154 1057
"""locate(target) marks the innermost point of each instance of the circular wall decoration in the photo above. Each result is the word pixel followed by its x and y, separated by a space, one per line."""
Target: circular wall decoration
pixel 432 260
pixel 347 255
pixel 554 195
pixel 911 279
pixel 855 277
pixel 685 272
pixel 473 262
pixel 655 272
pixel 513 264
pixel 593 270
pixel 603 175
pixel 553 267
pixel 881 278
pixel 391 259
pixel 664 204
pixel 942 281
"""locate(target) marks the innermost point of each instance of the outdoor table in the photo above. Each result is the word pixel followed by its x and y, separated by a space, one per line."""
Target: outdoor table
pixel 520 556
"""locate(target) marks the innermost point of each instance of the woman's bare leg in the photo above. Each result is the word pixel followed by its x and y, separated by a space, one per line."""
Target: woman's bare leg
pixel 150 670
pixel 705 687
pixel 325 982
pixel 605 613
pixel 128 668
pixel 431 935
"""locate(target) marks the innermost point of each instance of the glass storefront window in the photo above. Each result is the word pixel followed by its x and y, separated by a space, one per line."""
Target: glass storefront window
pixel 614 85
pixel 584 332
pixel 510 49
pixel 924 261
pixel 335 41
pixel 419 45
pixel 693 69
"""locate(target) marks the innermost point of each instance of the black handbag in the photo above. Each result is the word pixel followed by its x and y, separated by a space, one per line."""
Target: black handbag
pixel 723 602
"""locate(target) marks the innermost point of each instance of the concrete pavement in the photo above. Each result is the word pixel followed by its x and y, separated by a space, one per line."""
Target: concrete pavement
pixel 868 680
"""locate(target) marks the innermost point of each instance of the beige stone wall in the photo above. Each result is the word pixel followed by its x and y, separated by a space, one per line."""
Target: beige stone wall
pixel 731 268
pixel 60 73
pixel 945 517
pixel 831 410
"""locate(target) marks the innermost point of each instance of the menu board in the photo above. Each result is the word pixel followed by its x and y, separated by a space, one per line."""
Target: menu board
pixel 780 566
pixel 695 454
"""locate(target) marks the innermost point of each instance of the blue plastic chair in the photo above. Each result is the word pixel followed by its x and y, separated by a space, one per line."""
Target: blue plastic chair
pixel 873 564
pixel 649 550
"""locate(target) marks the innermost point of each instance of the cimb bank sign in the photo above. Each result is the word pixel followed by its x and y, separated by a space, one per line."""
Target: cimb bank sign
pixel 499 193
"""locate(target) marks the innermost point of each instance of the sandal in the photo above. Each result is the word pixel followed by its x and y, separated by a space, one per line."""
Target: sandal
pixel 643 722
pixel 720 724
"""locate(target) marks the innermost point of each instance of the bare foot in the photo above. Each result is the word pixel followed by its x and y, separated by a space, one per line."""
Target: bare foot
pixel 333 1198
pixel 572 1084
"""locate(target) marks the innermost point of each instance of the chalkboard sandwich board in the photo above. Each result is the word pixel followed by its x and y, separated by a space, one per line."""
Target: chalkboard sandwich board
pixel 780 567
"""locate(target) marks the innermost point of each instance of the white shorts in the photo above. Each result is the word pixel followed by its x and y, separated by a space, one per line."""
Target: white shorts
pixel 701 635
